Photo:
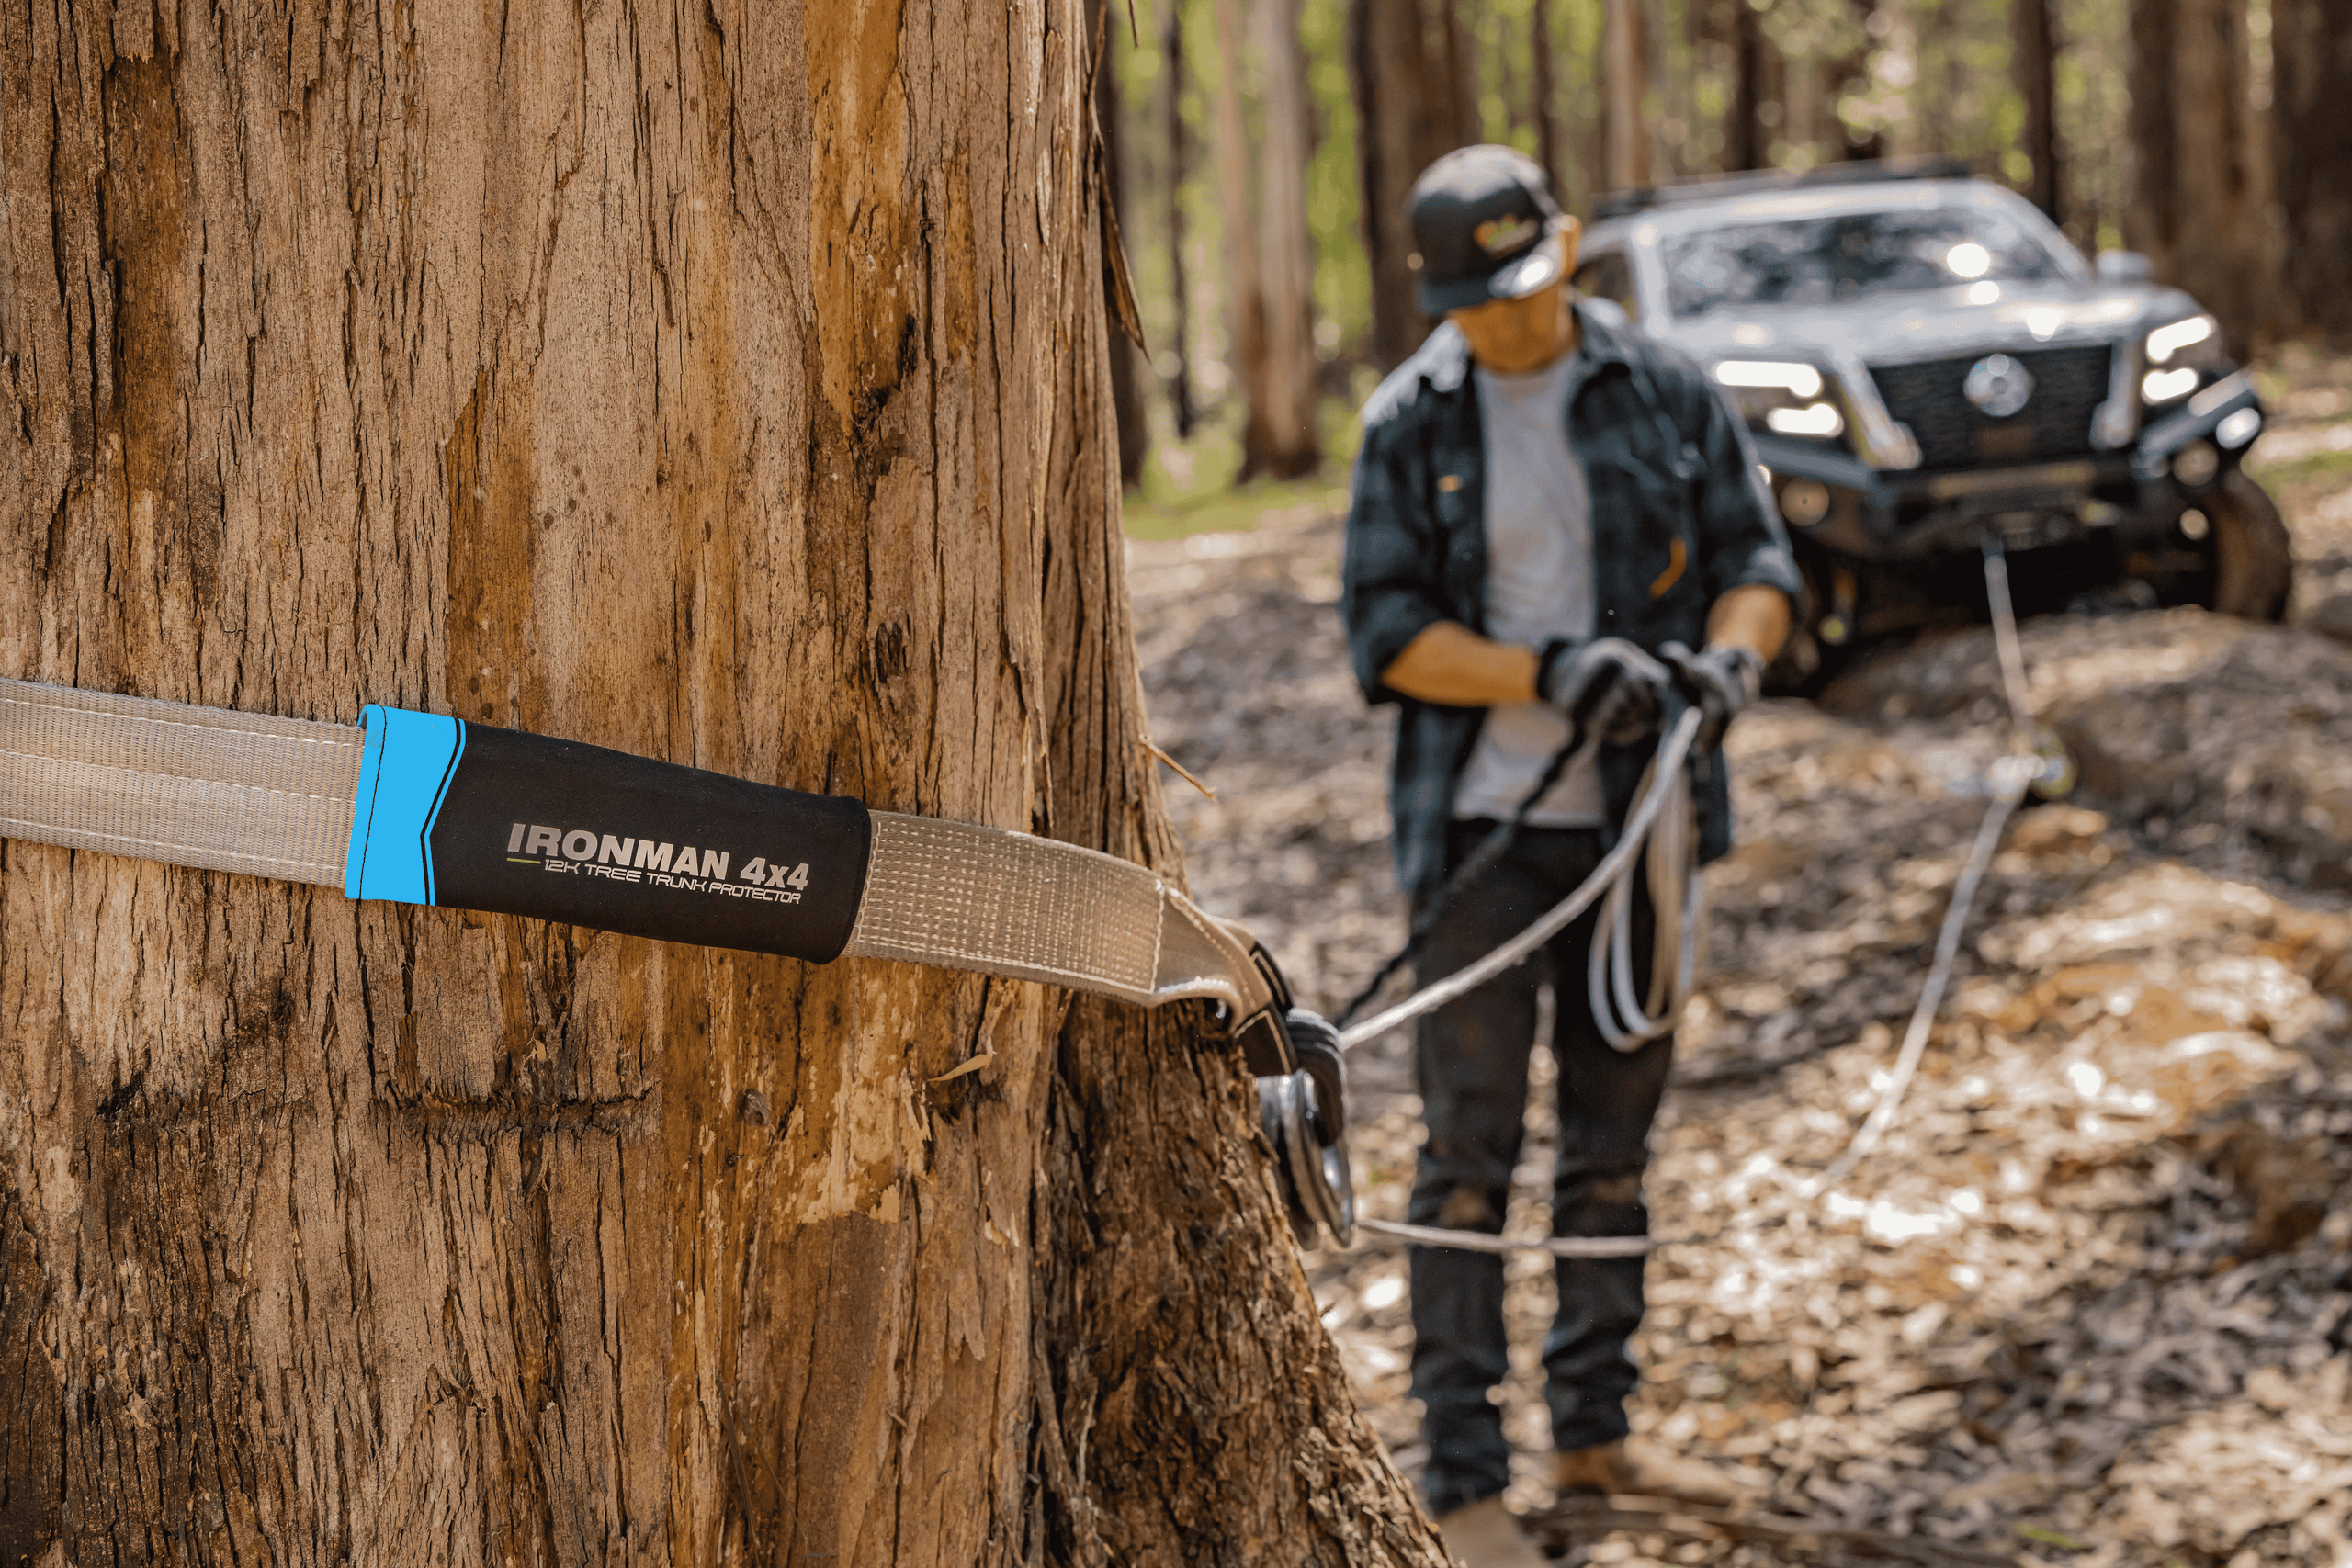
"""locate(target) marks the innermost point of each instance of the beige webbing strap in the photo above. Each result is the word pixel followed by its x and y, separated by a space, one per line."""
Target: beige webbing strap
pixel 1002 903
pixel 226 791
pixel 173 782
pixel 976 898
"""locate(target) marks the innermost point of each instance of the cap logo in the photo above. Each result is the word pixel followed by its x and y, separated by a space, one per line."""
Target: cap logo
pixel 1498 236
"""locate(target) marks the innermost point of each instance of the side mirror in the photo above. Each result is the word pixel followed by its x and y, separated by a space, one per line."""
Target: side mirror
pixel 2124 266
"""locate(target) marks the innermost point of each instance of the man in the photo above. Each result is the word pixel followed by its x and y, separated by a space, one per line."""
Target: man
pixel 1549 510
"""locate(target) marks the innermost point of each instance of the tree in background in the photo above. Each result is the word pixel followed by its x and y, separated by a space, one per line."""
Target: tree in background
pixel 2194 207
pixel 1747 139
pixel 1269 269
pixel 1625 85
pixel 2034 51
pixel 1180 379
pixel 1404 64
pixel 1543 92
pixel 1288 442
pixel 720 387
pixel 1126 344
pixel 2311 131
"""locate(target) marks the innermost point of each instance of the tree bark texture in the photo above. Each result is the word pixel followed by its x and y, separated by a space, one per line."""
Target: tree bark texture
pixel 2035 53
pixel 1625 83
pixel 2310 129
pixel 711 385
pixel 1401 68
pixel 2194 205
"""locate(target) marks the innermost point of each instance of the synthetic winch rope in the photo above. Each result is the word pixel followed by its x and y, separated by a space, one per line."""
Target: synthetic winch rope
pixel 1657 836
pixel 1667 782
pixel 2008 780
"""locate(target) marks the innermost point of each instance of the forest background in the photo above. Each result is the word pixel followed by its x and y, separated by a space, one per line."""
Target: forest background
pixel 2198 132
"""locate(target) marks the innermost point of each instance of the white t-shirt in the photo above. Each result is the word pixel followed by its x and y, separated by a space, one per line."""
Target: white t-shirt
pixel 1539 586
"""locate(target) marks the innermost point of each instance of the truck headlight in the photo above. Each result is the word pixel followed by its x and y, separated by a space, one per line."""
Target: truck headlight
pixel 1809 418
pixel 2180 336
pixel 1785 396
pixel 2180 354
pixel 1801 380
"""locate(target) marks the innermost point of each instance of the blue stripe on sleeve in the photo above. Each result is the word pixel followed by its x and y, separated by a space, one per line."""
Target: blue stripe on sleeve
pixel 405 767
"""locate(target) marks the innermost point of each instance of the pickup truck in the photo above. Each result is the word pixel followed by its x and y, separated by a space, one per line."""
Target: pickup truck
pixel 1930 369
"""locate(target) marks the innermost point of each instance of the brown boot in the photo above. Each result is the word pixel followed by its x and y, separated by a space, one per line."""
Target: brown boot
pixel 1485 1534
pixel 1637 1467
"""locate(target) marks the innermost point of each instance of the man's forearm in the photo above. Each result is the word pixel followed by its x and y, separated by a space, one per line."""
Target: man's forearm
pixel 1450 663
pixel 1752 616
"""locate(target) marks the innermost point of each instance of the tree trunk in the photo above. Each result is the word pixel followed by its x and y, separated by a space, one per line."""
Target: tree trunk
pixel 2311 139
pixel 1282 439
pixel 1408 114
pixel 1457 38
pixel 1746 140
pixel 2194 208
pixel 1543 92
pixel 1624 79
pixel 720 390
pixel 1244 292
pixel 1126 351
pixel 2035 53
pixel 1180 385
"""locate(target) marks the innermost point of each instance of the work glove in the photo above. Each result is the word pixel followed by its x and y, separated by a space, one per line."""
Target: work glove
pixel 1719 680
pixel 1609 688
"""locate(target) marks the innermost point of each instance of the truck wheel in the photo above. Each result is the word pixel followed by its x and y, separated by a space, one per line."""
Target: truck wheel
pixel 2253 558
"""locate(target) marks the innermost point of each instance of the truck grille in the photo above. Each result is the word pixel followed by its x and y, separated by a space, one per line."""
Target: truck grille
pixel 2068 385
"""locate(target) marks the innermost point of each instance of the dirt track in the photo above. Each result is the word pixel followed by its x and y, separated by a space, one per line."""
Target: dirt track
pixel 2088 1302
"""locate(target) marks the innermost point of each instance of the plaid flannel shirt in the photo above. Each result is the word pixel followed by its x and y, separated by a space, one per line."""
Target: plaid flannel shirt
pixel 1679 517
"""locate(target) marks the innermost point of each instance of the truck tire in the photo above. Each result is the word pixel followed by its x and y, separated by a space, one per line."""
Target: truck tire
pixel 2254 557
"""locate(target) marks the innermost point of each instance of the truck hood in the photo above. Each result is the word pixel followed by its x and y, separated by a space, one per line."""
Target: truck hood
pixel 1899 328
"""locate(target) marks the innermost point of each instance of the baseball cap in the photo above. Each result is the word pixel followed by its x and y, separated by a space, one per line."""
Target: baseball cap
pixel 1483 219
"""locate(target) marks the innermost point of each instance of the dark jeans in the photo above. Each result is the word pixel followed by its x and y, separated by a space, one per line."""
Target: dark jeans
pixel 1471 1058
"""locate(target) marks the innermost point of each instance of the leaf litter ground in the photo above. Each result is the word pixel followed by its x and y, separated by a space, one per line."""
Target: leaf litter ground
pixel 2090 1301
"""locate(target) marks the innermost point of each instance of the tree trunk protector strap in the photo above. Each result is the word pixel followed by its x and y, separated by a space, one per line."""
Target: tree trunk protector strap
pixel 421 809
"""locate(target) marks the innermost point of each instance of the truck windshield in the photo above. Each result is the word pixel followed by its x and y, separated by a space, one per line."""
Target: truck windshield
pixel 1830 260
